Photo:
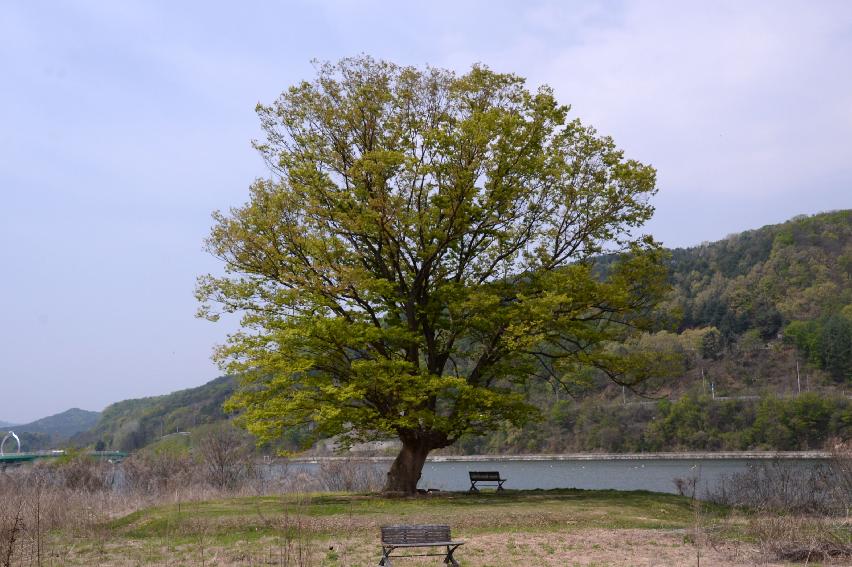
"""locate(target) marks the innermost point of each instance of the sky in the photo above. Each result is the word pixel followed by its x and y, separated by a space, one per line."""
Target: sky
pixel 123 125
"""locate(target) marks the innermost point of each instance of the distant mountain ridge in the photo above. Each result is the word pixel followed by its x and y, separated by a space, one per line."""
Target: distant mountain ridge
pixel 53 431
pixel 62 425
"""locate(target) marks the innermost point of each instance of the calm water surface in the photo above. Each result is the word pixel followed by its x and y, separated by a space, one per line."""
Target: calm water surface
pixel 647 474
pixel 654 474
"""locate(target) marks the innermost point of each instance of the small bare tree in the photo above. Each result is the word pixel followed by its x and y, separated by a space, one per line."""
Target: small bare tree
pixel 225 455
pixel 841 469
pixel 350 475
pixel 158 472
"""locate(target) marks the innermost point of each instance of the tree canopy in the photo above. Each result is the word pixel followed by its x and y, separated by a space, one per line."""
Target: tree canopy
pixel 424 247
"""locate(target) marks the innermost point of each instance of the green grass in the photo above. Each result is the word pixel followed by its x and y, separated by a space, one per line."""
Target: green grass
pixel 251 518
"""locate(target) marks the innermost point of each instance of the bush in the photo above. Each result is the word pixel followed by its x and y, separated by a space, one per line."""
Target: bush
pixel 225 456
pixel 80 472
pixel 157 472
pixel 797 538
pixel 783 487
pixel 350 475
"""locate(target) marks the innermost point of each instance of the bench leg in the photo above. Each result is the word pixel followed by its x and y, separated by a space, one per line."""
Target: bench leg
pixel 385 560
pixel 500 485
pixel 473 486
pixel 449 559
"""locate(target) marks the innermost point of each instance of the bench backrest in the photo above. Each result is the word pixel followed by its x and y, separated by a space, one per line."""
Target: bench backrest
pixel 484 475
pixel 415 534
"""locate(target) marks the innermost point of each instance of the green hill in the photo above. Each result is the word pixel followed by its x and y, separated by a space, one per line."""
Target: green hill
pixel 763 321
pixel 62 425
pixel 746 312
pixel 763 279
pixel 131 424
pixel 55 430
pixel 775 295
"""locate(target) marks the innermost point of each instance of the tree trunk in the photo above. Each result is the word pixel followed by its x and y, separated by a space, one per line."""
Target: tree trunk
pixel 406 468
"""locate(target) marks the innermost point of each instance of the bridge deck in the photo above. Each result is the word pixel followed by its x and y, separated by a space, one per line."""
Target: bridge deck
pixel 26 457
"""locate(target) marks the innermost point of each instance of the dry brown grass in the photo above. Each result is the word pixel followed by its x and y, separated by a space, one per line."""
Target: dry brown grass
pixel 562 548
pixel 795 514
pixel 805 539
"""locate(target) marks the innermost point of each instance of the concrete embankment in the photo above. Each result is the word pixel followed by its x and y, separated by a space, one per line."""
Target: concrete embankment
pixel 721 455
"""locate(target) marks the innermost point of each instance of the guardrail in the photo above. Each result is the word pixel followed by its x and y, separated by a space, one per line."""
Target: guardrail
pixel 28 457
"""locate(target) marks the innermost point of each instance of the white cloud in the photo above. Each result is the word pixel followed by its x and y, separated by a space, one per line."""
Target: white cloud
pixel 746 96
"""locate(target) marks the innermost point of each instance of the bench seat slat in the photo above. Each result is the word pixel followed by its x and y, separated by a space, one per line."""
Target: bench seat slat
pixel 485 475
pixel 426 534
pixel 429 544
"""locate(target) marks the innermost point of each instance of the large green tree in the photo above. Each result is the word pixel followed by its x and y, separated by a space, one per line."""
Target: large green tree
pixel 421 251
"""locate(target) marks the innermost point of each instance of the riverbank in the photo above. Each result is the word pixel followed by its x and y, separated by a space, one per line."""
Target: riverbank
pixel 655 472
pixel 664 456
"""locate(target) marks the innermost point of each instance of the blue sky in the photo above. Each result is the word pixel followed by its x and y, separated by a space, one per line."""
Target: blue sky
pixel 124 124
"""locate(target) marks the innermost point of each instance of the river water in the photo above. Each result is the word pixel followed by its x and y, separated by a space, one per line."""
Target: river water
pixel 621 472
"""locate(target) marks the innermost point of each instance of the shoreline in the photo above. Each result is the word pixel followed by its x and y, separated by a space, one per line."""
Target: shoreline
pixel 667 456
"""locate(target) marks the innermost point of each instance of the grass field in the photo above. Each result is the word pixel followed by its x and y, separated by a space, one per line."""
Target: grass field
pixel 559 527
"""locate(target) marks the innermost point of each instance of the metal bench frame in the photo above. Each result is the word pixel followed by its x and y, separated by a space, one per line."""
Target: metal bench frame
pixel 407 536
pixel 485 476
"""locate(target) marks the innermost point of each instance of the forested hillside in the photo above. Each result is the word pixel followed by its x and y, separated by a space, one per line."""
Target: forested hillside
pixel 763 279
pixel 762 322
pixel 131 424
pixel 790 281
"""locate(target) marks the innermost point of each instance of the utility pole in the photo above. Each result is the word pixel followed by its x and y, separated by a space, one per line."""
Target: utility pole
pixel 798 379
pixel 623 396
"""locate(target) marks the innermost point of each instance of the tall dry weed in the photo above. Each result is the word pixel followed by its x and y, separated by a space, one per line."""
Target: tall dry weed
pixel 805 539
pixel 350 475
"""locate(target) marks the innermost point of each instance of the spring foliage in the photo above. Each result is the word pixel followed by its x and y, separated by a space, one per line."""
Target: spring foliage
pixel 423 249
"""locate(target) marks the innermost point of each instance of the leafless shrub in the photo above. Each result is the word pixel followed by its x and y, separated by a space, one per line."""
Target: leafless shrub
pixel 77 496
pixel 225 456
pixel 781 487
pixel 796 513
pixel 300 480
pixel 350 475
pixel 154 473
pixel 295 528
pixel 799 538
pixel 11 524
pixel 840 466
pixel 37 499
pixel 82 473
pixel 685 485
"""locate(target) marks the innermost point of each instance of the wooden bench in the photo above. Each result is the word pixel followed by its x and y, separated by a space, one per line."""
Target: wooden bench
pixel 485 476
pixel 401 537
